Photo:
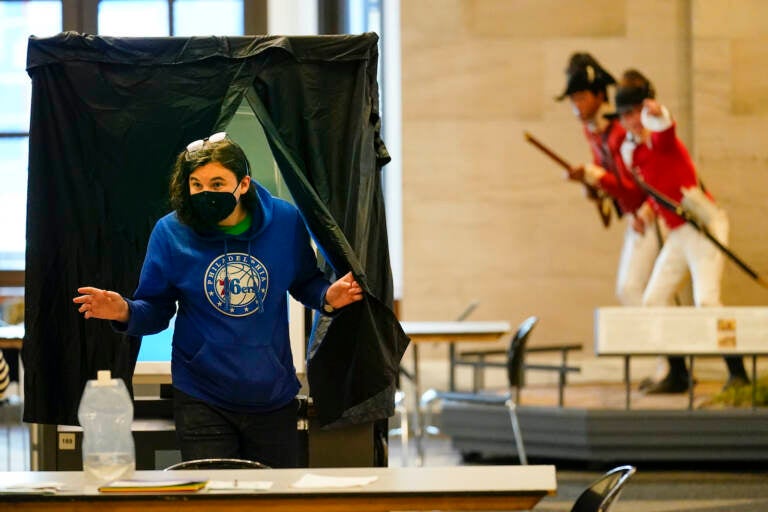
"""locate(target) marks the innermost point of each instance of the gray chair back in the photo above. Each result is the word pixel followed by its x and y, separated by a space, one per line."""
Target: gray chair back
pixel 516 352
pixel 217 464
pixel 602 493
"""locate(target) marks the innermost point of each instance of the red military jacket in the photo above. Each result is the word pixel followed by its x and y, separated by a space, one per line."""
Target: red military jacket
pixel 665 164
pixel 617 180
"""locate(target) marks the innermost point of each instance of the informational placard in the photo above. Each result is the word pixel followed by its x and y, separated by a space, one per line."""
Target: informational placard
pixel 681 330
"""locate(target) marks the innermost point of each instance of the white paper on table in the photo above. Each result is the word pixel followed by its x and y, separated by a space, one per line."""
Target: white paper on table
pixel 32 488
pixel 238 485
pixel 311 481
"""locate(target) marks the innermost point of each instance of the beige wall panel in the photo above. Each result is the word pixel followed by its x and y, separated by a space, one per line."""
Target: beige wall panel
pixel 657 19
pixel 731 151
pixel 431 23
pixel 486 216
pixel 483 224
pixel 475 80
pixel 733 160
pixel 711 76
pixel 738 138
pixel 730 116
pixel 748 77
pixel 734 181
pixel 730 18
pixel 545 18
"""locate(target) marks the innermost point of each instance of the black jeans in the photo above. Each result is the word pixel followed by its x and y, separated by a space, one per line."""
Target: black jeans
pixel 205 431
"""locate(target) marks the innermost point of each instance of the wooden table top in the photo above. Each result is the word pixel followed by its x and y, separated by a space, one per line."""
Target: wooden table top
pixel 455 331
pixel 432 488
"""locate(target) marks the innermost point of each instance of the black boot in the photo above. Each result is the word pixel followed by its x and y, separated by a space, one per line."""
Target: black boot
pixel 737 374
pixel 676 380
pixel 645 384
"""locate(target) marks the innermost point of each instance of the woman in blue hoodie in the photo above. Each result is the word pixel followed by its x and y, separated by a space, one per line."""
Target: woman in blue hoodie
pixel 226 256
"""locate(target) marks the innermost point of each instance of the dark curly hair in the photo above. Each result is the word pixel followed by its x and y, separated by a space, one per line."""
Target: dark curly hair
pixel 225 152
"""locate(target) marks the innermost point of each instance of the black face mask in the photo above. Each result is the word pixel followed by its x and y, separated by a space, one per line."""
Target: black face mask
pixel 213 207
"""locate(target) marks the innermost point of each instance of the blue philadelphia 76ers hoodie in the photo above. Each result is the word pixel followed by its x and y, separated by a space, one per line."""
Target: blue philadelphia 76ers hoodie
pixel 230 342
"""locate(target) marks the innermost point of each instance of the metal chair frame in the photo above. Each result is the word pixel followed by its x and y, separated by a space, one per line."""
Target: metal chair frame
pixel 603 492
pixel 217 463
pixel 515 378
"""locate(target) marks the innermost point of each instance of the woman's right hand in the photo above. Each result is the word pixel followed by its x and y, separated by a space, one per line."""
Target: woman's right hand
pixel 103 304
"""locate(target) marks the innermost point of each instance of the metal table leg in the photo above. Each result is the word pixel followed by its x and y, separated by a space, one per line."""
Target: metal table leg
pixel 627 383
pixel 754 381
pixel 418 432
pixel 690 383
pixel 452 367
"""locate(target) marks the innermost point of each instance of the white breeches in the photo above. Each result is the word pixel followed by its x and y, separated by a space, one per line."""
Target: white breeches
pixel 636 263
pixel 685 249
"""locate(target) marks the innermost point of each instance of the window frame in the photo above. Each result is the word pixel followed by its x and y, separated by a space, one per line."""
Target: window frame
pixel 14 278
pixel 82 16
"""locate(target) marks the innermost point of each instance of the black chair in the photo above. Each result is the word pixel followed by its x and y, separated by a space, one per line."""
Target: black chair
pixel 217 464
pixel 603 492
pixel 515 360
pixel 481 359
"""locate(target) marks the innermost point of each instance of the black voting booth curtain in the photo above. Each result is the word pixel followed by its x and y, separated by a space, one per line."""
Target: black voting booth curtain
pixel 109 115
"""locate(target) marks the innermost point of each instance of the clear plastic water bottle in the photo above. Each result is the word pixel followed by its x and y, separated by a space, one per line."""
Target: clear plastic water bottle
pixel 106 415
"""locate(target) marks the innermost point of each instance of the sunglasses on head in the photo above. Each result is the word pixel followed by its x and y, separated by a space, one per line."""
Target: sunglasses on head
pixel 199 144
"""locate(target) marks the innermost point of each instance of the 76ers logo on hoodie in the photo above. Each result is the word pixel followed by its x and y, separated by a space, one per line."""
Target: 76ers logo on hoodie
pixel 236 284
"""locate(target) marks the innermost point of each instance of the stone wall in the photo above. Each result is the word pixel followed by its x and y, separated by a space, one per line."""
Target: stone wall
pixel 486 216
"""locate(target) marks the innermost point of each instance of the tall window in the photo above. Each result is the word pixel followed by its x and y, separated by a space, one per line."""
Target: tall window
pixel 44 18
pixel 383 17
pixel 18 20
pixel 364 16
pixel 148 18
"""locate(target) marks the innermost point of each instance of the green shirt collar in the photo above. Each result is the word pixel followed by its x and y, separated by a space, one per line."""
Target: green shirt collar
pixel 239 228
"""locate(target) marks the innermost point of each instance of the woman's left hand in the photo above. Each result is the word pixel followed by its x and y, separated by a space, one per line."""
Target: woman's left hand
pixel 343 292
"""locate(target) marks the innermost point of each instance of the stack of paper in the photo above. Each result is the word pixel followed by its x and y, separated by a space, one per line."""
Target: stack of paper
pixel 313 481
pixel 138 485
pixel 32 488
pixel 237 485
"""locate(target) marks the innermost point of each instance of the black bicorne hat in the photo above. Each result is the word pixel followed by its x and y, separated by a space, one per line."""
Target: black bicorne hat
pixel 633 88
pixel 584 73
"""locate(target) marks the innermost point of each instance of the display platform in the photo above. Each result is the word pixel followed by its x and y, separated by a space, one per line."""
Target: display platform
pixel 594 426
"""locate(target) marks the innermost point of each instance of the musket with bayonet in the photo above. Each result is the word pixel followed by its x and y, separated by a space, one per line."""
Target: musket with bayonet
pixel 672 205
pixel 602 201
